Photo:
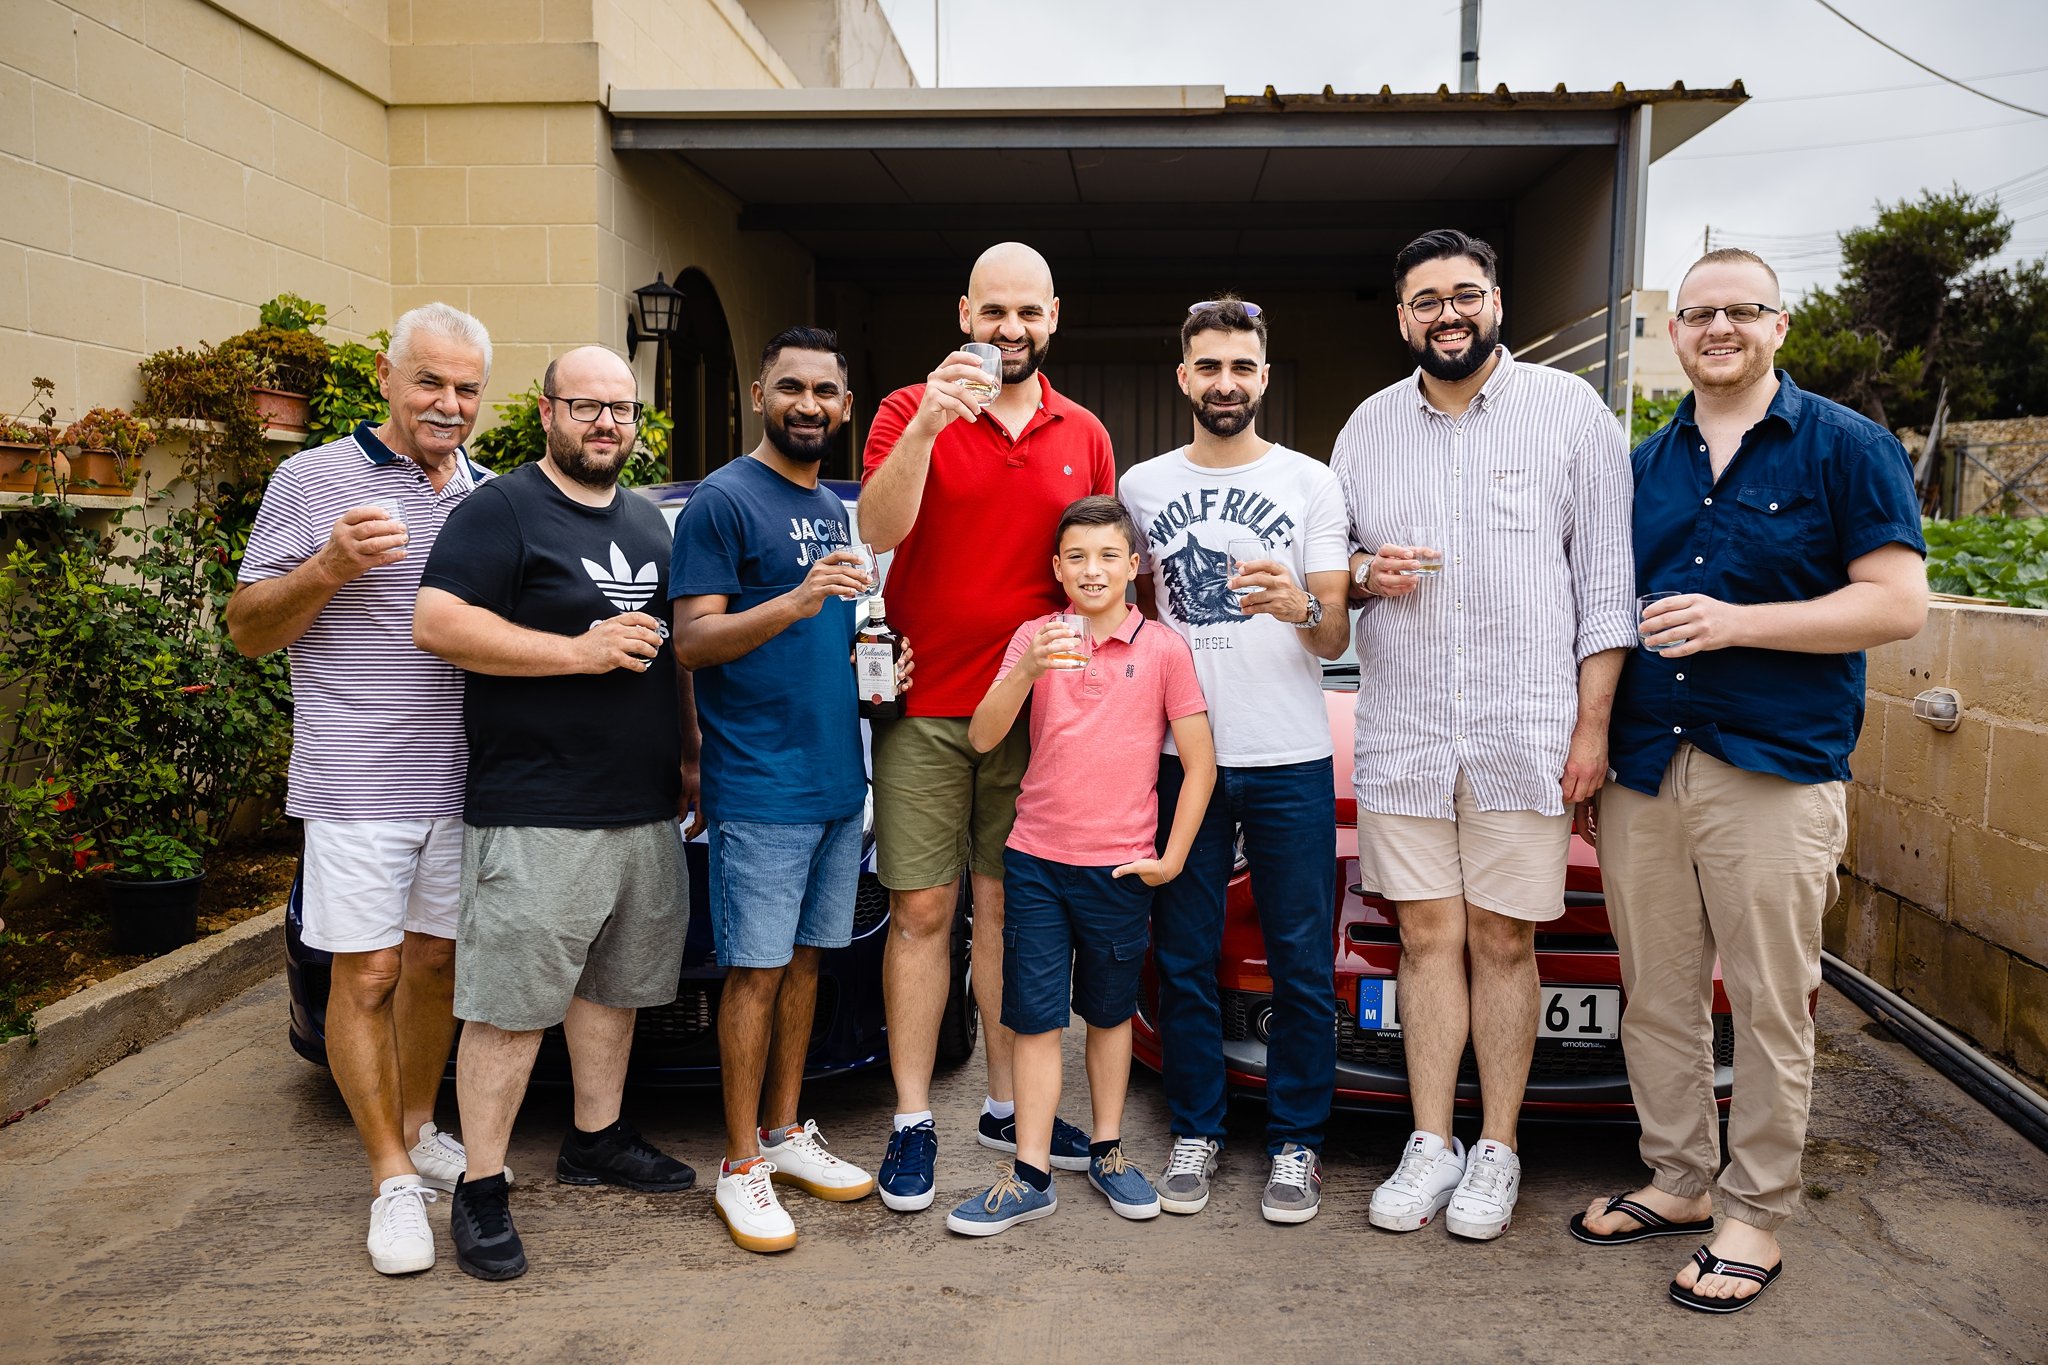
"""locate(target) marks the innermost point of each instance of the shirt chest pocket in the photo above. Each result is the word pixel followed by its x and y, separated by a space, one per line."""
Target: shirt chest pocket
pixel 1774 514
pixel 1519 499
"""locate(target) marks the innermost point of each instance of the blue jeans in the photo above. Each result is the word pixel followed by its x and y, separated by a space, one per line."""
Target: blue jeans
pixel 1289 816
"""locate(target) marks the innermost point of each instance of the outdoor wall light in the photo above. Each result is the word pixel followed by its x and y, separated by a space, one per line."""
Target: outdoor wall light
pixel 1941 707
pixel 658 314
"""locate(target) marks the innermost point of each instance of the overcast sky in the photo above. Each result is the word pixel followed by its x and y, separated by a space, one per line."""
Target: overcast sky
pixel 1834 124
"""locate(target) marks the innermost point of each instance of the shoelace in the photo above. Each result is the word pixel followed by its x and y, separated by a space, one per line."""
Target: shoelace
pixel 1487 1179
pixel 405 1210
pixel 492 1215
pixel 1190 1156
pixel 812 1144
pixel 755 1186
pixel 915 1146
pixel 1413 1167
pixel 448 1145
pixel 1292 1168
pixel 1114 1162
pixel 1007 1186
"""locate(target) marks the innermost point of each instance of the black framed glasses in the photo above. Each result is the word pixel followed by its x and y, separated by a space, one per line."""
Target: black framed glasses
pixel 587 409
pixel 1741 314
pixel 1466 303
pixel 1251 310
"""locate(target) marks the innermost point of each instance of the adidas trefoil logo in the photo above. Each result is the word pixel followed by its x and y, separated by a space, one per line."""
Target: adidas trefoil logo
pixel 623 586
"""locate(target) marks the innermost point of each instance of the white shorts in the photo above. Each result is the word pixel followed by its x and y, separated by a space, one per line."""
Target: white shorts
pixel 368 883
pixel 1511 862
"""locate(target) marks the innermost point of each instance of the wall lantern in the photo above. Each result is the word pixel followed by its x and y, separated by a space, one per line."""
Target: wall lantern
pixel 658 315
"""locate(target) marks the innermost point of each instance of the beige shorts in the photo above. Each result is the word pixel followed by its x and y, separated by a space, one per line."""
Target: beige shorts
pixel 1508 861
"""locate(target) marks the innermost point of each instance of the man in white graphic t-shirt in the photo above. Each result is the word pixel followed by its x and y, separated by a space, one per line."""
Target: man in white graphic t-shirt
pixel 1245 553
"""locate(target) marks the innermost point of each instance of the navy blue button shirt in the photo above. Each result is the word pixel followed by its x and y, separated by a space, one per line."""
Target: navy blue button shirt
pixel 1812 487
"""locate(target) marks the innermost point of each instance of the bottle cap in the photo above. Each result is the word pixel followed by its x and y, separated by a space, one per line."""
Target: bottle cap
pixel 875 609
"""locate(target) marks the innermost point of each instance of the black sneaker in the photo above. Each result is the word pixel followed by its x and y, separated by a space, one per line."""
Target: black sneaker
pixel 486 1244
pixel 619 1156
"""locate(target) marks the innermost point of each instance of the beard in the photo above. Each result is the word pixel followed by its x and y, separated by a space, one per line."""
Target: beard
pixel 804 445
pixel 1020 368
pixel 1450 369
pixel 567 450
pixel 1756 364
pixel 1227 424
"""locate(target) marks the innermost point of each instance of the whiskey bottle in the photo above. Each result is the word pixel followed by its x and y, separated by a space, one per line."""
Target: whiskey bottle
pixel 876 650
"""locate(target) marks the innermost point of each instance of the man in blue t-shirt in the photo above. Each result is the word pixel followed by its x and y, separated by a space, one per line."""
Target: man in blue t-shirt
pixel 762 578
pixel 1779 534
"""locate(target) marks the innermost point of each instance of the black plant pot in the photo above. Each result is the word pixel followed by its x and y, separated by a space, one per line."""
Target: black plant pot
pixel 153 916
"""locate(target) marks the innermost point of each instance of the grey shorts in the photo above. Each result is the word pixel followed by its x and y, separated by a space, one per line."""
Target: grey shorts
pixel 550 914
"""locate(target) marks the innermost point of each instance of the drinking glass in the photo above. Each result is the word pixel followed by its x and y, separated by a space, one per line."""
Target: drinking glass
pixel 1643 605
pixel 869 567
pixel 1074 655
pixel 1241 552
pixel 1429 554
pixel 392 511
pixel 992 369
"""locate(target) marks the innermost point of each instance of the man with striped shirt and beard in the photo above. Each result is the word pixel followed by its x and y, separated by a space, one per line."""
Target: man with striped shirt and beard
pixel 1483 697
pixel 378 757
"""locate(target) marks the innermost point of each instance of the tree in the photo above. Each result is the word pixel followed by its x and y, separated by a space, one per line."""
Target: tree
pixel 1915 309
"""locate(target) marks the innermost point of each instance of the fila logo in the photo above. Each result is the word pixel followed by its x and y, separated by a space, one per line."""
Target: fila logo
pixel 623 586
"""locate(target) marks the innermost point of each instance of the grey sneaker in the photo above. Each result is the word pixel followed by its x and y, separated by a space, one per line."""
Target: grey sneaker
pixel 1295 1189
pixel 1185 1186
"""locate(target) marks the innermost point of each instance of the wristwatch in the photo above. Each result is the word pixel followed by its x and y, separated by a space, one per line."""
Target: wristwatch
pixel 1315 614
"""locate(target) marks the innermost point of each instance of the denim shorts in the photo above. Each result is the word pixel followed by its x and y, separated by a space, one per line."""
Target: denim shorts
pixel 1070 933
pixel 775 886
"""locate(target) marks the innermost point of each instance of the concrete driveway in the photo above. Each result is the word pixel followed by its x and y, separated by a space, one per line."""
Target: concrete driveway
pixel 204 1200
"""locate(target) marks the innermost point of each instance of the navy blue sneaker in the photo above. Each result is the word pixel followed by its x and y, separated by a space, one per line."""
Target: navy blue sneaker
pixel 1126 1188
pixel 1069 1144
pixel 1002 1205
pixel 906 1178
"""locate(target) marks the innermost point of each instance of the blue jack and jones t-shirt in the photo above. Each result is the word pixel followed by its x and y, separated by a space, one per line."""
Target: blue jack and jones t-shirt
pixel 780 723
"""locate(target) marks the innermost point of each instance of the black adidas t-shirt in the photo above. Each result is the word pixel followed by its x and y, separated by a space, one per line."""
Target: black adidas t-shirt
pixel 584 751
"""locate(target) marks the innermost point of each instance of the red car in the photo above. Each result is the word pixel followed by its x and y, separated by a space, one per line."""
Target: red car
pixel 1577 1072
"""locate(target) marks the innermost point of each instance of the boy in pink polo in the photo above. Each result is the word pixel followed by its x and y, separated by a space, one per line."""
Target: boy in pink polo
pixel 1079 869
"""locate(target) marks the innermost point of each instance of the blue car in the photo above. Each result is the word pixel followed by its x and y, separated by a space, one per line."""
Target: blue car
pixel 677 1044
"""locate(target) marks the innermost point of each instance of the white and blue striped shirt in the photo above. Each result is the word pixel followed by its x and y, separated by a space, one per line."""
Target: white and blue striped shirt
pixel 376 722
pixel 1477 669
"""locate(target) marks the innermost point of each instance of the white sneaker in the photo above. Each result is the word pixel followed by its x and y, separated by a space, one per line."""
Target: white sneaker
pixel 746 1201
pixel 440 1160
pixel 800 1159
pixel 401 1242
pixel 1484 1203
pixel 1420 1186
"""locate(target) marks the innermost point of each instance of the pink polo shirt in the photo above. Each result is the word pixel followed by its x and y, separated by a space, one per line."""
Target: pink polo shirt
pixel 1090 795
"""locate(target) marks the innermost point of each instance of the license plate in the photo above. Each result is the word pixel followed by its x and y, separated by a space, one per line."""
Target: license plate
pixel 1576 1012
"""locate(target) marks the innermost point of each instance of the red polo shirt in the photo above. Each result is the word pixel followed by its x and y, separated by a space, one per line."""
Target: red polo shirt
pixel 978 560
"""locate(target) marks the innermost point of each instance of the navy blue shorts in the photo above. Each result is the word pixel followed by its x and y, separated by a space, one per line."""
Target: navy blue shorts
pixel 1070 933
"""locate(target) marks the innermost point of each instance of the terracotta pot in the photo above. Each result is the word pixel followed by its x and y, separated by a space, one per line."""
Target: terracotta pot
pixel 280 408
pixel 98 473
pixel 26 468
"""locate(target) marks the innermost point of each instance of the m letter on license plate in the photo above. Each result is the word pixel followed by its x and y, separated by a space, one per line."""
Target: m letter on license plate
pixel 1376 1003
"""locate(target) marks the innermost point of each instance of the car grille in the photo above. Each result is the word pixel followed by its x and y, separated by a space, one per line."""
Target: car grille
pixel 684 1032
pixel 870 905
pixel 1383 1051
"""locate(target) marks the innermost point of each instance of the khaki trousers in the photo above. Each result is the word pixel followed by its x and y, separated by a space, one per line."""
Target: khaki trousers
pixel 1743 864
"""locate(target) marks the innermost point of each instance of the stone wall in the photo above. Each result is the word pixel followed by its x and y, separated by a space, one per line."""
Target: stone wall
pixel 1946 900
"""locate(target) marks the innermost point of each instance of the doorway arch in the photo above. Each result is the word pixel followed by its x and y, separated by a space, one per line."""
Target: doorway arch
pixel 699 382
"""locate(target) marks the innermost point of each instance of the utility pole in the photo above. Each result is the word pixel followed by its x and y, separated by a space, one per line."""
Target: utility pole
pixel 1468 47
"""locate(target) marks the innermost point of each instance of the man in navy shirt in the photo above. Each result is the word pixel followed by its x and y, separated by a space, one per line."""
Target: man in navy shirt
pixel 1787 530
pixel 761 576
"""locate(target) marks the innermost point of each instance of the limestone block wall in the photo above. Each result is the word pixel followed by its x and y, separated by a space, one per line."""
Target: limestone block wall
pixel 165 167
pixel 1946 897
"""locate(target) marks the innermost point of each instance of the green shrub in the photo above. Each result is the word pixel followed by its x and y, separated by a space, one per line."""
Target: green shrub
pixel 2005 558
pixel 293 361
pixel 347 394
pixel 519 438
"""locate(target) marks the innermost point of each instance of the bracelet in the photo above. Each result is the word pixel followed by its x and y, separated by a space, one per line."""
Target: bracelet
pixel 1364 576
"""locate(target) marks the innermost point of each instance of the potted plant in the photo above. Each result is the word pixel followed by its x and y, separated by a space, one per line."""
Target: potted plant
pixel 28 447
pixel 291 357
pixel 105 448
pixel 206 392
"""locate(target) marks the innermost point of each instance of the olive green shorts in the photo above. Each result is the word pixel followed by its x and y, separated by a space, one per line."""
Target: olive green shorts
pixel 940 807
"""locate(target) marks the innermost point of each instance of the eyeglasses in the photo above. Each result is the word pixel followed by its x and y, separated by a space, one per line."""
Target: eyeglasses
pixel 1251 310
pixel 587 409
pixel 1467 302
pixel 1738 313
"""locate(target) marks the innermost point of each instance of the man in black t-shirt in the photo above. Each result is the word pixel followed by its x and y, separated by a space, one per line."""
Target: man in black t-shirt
pixel 573 906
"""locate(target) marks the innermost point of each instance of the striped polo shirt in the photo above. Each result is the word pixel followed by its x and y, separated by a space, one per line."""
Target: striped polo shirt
pixel 1477 670
pixel 376 721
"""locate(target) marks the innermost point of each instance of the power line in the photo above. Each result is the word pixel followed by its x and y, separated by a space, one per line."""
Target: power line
pixel 1960 85
pixel 1889 89
pixel 1865 142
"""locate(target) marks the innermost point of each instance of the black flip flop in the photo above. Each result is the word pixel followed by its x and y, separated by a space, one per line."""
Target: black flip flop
pixel 1710 1264
pixel 1654 1224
